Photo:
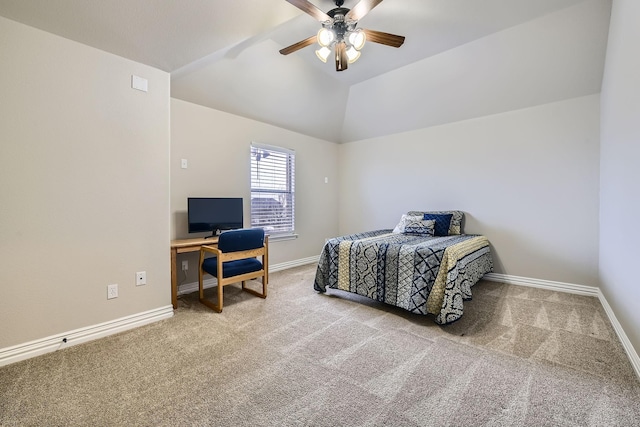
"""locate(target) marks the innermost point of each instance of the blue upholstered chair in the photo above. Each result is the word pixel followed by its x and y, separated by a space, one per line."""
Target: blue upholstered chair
pixel 235 259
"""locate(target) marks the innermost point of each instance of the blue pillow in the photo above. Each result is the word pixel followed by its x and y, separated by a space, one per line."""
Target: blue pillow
pixel 443 221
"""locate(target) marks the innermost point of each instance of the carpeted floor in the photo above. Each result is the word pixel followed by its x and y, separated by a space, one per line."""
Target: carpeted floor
pixel 518 357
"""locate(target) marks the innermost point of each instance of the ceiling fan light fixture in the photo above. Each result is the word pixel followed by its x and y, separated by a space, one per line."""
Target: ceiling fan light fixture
pixel 352 54
pixel 323 53
pixel 325 37
pixel 357 38
pixel 339 33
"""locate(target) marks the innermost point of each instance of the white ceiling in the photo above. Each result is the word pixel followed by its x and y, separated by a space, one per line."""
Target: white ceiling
pixel 461 58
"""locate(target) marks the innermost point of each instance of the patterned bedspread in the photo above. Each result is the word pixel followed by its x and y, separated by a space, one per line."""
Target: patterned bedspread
pixel 424 275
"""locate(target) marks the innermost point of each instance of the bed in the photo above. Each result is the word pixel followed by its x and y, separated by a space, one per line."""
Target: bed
pixel 412 266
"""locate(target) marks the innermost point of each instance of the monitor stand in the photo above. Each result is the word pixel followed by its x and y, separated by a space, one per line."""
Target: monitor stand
pixel 214 233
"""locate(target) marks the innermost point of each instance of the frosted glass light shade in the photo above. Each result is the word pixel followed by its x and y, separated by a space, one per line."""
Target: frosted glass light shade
pixel 352 55
pixel 357 38
pixel 323 53
pixel 325 37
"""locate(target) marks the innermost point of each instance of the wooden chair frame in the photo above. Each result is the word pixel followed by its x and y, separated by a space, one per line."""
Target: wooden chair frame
pixel 222 282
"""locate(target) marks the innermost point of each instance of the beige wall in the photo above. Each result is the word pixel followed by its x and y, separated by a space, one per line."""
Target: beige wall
pixel 216 146
pixel 84 194
pixel 85 163
pixel 620 151
pixel 527 179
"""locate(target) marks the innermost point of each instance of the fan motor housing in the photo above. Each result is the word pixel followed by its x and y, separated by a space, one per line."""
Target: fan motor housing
pixel 338 11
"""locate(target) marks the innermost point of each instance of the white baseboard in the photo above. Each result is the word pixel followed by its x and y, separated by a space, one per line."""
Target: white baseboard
pixel 56 342
pixel 188 288
pixel 543 284
pixel 628 347
pixel 580 290
pixel 293 264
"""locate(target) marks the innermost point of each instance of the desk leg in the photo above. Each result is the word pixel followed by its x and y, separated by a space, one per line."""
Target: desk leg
pixel 174 278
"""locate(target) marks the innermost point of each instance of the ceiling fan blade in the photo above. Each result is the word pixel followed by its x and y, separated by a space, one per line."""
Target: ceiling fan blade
pixel 362 8
pixel 310 9
pixel 384 38
pixel 342 61
pixel 297 46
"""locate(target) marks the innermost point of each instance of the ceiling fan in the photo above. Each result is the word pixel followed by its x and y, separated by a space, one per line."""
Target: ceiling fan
pixel 339 31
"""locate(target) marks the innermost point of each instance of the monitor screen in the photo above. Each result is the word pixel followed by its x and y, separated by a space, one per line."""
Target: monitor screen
pixel 214 213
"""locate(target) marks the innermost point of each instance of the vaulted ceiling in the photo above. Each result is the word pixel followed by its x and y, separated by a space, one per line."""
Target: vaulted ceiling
pixel 461 58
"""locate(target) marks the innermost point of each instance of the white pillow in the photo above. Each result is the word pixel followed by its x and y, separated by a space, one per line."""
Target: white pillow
pixel 403 222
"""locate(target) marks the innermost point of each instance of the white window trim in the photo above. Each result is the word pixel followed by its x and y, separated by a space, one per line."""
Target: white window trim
pixel 285 235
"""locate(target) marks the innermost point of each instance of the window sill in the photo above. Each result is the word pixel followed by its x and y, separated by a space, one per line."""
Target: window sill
pixel 282 237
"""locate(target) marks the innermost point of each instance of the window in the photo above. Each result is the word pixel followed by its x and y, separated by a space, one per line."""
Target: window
pixel 272 189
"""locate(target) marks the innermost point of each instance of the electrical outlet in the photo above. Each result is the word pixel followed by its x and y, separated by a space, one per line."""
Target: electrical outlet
pixel 185 265
pixel 141 278
pixel 112 291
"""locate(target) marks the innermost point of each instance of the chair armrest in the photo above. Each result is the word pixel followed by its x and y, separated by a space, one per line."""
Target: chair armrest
pixel 210 249
pixel 207 249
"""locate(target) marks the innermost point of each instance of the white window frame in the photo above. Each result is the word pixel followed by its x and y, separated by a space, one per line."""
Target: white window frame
pixel 274 185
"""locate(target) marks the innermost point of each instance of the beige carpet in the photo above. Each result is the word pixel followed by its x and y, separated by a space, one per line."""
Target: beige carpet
pixel 518 357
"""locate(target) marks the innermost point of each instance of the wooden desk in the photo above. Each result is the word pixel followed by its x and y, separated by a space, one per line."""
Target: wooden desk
pixel 181 246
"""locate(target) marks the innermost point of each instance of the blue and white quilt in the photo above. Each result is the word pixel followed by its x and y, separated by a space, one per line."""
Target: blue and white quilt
pixel 421 274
